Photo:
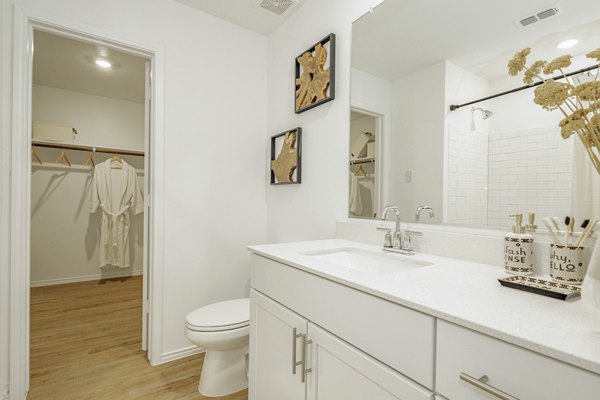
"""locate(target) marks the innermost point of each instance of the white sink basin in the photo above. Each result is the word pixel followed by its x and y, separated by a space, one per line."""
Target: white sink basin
pixel 367 262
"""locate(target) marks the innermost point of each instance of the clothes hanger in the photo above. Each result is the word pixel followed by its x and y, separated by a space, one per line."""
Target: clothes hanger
pixel 118 159
pixel 63 156
pixel 37 157
pixel 90 159
pixel 360 169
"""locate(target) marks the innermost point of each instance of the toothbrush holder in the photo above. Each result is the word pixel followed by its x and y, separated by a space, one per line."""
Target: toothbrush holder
pixel 567 264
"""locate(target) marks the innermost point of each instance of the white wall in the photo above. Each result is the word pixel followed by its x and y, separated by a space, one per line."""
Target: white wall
pixel 310 210
pixel 65 238
pixel 99 121
pixel 417 141
pixel 215 164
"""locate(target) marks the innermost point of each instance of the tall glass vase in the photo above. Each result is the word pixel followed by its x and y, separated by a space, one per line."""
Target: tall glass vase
pixel 590 290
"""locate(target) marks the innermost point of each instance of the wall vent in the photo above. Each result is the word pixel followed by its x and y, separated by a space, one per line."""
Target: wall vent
pixel 278 7
pixel 531 19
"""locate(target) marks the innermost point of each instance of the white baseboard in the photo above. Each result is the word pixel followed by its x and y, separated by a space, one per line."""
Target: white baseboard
pixel 181 353
pixel 95 277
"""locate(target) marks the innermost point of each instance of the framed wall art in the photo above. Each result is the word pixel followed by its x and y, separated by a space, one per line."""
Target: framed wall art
pixel 286 157
pixel 315 75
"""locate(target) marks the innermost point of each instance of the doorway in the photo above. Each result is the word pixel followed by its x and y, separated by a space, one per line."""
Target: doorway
pixel 26 22
pixel 365 170
pixel 88 236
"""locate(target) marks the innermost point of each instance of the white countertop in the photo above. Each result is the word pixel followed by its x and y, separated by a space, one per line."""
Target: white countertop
pixel 467 294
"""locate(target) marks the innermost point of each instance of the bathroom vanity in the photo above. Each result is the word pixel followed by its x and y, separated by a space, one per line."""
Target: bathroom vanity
pixel 336 319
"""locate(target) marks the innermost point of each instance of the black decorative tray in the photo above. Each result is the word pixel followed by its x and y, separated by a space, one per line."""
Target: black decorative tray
pixel 540 285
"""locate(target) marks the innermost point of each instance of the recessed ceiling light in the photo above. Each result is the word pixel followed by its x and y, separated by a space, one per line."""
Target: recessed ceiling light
pixel 565 44
pixel 103 63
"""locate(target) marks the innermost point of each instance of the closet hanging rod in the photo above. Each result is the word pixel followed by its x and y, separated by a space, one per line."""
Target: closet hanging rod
pixel 362 161
pixel 84 147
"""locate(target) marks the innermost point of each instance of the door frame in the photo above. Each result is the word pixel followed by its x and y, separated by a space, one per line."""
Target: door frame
pixel 25 20
pixel 379 156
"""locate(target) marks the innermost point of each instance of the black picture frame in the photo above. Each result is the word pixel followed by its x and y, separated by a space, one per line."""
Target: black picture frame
pixel 331 56
pixel 274 149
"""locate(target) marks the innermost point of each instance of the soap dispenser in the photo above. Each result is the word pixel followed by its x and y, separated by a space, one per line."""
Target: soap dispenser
pixel 518 249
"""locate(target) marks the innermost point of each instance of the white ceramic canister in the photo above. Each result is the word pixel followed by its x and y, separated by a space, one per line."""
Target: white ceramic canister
pixel 567 264
pixel 518 254
pixel 518 249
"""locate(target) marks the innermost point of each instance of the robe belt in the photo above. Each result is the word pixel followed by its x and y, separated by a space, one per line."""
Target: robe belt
pixel 112 223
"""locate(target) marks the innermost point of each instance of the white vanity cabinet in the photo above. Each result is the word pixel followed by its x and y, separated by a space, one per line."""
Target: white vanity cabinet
pixel 275 345
pixel 519 373
pixel 349 344
pixel 294 359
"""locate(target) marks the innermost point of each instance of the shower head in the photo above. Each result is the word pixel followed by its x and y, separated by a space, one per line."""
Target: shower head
pixel 484 113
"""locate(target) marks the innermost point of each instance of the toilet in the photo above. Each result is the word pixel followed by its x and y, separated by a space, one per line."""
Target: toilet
pixel 222 329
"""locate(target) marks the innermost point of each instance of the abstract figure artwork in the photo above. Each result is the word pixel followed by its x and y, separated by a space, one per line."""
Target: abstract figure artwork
pixel 315 75
pixel 287 165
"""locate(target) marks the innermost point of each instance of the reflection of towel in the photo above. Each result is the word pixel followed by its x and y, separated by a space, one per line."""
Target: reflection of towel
pixel 355 204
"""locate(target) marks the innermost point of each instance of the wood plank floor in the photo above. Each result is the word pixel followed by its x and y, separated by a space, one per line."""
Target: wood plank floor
pixel 86 341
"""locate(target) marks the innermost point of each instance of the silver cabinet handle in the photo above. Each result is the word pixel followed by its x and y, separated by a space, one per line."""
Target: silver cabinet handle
pixel 295 337
pixel 305 370
pixel 481 384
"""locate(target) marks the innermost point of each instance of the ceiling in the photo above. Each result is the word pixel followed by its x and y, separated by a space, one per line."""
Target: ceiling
pixel 69 64
pixel 404 36
pixel 245 13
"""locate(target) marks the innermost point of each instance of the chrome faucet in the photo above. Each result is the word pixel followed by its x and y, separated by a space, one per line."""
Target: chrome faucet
pixel 398 244
pixel 397 241
pixel 420 209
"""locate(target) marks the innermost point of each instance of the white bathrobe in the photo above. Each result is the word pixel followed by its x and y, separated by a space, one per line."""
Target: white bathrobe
pixel 115 191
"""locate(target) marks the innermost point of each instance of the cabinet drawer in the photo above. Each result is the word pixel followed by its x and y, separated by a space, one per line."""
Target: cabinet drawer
pixel 518 372
pixel 397 336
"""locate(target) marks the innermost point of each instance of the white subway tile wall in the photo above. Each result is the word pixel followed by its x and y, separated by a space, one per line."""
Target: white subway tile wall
pixel 530 170
pixel 467 176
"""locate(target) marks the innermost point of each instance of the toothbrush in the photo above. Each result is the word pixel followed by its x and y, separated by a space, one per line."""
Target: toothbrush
pixel 589 230
pixel 551 231
pixel 555 222
pixel 569 223
pixel 584 225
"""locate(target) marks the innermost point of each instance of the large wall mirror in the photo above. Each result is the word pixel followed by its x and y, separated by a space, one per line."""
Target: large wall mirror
pixel 414 59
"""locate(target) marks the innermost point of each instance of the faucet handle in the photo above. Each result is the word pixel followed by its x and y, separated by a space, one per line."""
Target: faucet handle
pixel 388 236
pixel 406 242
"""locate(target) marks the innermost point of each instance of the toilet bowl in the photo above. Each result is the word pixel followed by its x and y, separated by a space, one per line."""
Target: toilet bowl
pixel 222 329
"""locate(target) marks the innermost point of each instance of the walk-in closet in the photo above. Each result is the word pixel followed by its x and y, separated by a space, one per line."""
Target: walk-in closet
pixel 90 107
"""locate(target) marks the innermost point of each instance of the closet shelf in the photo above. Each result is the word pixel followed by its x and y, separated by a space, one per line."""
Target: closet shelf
pixel 362 161
pixel 83 147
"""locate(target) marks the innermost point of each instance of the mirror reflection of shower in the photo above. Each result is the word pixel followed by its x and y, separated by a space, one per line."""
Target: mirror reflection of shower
pixel 485 114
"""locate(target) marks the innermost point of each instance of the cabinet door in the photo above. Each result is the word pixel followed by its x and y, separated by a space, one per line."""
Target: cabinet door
pixel 272 346
pixel 340 371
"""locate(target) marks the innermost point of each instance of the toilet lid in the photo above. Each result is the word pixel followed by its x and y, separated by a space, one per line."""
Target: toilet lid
pixel 225 315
